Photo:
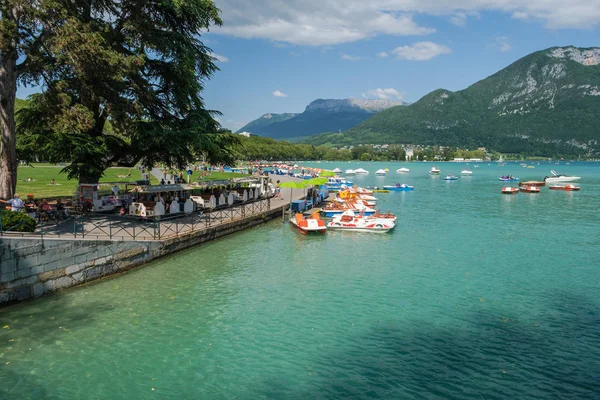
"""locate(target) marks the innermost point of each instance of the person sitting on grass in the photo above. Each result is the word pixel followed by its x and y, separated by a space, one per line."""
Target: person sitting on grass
pixel 53 182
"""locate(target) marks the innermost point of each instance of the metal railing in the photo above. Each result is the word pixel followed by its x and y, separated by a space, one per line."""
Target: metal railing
pixel 115 227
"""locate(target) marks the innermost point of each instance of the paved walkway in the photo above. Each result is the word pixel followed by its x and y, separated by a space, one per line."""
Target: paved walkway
pixel 115 227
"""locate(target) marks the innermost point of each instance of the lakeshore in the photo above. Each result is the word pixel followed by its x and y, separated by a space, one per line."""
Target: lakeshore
pixel 80 250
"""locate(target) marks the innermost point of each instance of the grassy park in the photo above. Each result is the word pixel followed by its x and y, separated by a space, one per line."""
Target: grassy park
pixel 42 174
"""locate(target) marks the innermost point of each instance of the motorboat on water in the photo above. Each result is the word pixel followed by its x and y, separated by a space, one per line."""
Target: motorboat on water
pixel 403 170
pixel 352 194
pixel 510 190
pixel 350 172
pixel 361 171
pixel 466 171
pixel 450 178
pixel 556 178
pixel 569 188
pixel 337 171
pixel 529 189
pixel 387 215
pixel 335 182
pixel 380 172
pixel 349 221
pixel 399 187
pixel 361 190
pixel 335 208
pixel 533 183
pixel 312 224
pixel 508 178
pixel 434 171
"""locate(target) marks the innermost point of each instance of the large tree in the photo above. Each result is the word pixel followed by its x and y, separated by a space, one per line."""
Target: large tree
pixel 121 79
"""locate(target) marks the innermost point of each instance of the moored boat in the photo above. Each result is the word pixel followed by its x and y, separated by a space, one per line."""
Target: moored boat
pixel 399 187
pixel 349 221
pixel 529 189
pixel 568 188
pixel 380 172
pixel 361 171
pixel 335 208
pixel 403 170
pixel 350 172
pixel 312 224
pixel 434 171
pixel 337 171
pixel 510 190
pixel 556 178
pixel 466 171
pixel 533 183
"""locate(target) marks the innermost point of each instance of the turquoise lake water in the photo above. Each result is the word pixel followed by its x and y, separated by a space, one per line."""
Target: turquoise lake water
pixel 475 295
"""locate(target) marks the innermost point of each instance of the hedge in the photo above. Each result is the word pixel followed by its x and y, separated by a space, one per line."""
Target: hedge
pixel 16 221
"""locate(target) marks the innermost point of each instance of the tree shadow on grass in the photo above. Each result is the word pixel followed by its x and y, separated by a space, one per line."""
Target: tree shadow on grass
pixel 491 356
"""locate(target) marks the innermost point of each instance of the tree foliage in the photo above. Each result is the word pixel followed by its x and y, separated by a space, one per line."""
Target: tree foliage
pixel 122 83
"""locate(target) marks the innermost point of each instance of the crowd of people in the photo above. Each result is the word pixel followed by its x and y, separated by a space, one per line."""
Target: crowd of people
pixel 38 209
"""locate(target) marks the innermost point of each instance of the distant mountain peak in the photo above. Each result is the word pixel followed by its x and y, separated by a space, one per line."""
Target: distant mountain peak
pixel 589 56
pixel 544 104
pixel 352 104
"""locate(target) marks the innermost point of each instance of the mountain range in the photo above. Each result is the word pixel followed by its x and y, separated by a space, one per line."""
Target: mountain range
pixel 546 103
pixel 322 115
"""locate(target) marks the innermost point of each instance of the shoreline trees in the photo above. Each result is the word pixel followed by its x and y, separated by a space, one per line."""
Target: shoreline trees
pixel 121 83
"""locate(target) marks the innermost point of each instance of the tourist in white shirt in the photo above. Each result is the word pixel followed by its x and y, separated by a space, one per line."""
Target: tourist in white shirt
pixel 16 204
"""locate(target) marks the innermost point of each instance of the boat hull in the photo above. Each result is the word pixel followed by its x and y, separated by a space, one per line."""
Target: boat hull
pixel 399 188
pixel 563 179
pixel 307 226
pixel 357 229
pixel 334 213
pixel 568 188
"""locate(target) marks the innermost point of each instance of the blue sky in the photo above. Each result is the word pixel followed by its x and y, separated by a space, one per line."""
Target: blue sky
pixel 277 56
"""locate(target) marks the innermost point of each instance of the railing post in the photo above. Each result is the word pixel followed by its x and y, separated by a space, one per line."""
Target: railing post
pixel 110 228
pixel 133 230
pixel 82 227
pixel 1 229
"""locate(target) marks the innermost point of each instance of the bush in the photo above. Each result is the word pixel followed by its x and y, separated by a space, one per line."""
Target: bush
pixel 17 221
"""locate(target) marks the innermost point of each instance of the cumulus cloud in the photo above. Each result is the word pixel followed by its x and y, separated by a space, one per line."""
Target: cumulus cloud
pixel 278 93
pixel 420 51
pixel 382 54
pixel 460 17
pixel 348 57
pixel 219 57
pixel 330 22
pixel 501 43
pixel 385 94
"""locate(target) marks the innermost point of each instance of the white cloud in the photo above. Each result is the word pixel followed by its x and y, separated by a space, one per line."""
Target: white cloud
pixel 420 51
pixel 348 57
pixel 460 17
pixel 520 15
pixel 501 43
pixel 277 93
pixel 219 57
pixel 382 54
pixel 386 94
pixel 330 22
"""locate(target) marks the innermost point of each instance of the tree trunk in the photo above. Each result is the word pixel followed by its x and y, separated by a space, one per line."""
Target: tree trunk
pixel 8 93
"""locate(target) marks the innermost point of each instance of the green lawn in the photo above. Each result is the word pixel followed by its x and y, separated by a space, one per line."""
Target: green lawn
pixel 216 176
pixel 43 174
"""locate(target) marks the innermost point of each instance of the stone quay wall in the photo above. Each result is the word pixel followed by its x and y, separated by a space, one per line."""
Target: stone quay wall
pixel 32 266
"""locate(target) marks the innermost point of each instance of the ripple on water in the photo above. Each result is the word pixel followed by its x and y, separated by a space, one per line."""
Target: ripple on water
pixel 475 295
